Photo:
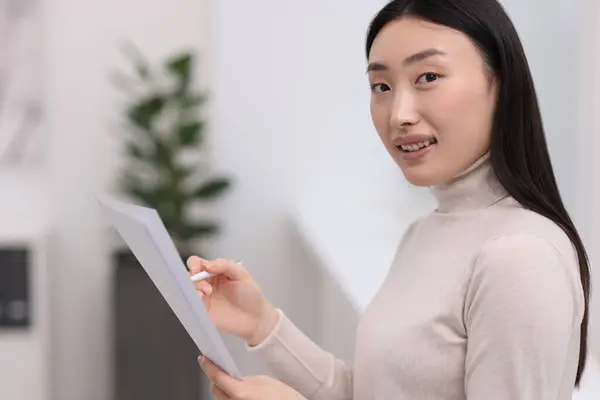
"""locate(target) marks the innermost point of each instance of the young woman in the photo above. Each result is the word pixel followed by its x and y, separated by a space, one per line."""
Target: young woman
pixel 487 297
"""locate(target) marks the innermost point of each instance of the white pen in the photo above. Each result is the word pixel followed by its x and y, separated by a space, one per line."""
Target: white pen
pixel 200 276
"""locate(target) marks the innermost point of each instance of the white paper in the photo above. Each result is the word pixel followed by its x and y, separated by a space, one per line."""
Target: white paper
pixel 145 234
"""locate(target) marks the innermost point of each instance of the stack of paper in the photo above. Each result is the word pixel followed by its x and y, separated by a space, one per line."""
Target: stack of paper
pixel 145 234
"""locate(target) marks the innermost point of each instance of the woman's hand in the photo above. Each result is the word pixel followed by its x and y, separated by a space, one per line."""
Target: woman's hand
pixel 234 300
pixel 224 387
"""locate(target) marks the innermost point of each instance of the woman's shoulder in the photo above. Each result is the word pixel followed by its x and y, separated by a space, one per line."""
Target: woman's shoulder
pixel 515 225
pixel 527 247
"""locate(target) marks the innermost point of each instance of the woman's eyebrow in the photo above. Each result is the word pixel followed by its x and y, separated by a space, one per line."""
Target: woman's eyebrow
pixel 376 66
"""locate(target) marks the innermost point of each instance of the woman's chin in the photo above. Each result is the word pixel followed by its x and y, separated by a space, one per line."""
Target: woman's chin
pixel 420 176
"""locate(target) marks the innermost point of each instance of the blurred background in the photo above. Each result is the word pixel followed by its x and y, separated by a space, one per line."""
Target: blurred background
pixel 262 109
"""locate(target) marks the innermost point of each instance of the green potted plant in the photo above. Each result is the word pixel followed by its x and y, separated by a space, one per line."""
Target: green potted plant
pixel 164 166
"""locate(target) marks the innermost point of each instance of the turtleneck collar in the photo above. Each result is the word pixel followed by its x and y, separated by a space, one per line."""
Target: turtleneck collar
pixel 477 187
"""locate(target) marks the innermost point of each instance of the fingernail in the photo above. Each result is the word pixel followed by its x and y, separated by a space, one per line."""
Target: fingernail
pixel 200 358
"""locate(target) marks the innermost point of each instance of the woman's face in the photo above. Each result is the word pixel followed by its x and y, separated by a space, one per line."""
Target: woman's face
pixel 432 99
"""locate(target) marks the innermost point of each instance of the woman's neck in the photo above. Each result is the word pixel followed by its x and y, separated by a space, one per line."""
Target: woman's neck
pixel 477 187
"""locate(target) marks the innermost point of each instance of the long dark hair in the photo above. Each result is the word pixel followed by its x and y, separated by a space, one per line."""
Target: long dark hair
pixel 518 151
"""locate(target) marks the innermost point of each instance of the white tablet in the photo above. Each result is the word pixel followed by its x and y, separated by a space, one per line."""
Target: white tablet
pixel 145 234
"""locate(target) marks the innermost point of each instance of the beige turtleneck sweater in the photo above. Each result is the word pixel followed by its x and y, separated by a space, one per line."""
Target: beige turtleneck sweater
pixel 483 301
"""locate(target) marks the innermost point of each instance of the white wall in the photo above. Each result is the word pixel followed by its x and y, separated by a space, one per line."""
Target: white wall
pixel 80 49
pixel 292 81
pixel 589 147
pixel 552 46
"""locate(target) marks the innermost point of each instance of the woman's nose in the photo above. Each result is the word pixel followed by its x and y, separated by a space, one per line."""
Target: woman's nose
pixel 404 112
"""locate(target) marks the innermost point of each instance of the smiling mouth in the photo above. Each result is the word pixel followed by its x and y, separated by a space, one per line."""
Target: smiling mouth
pixel 409 148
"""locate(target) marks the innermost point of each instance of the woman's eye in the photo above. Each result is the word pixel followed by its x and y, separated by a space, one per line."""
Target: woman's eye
pixel 428 78
pixel 380 87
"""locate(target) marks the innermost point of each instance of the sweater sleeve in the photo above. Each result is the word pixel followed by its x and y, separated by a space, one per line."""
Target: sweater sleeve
pixel 523 313
pixel 301 364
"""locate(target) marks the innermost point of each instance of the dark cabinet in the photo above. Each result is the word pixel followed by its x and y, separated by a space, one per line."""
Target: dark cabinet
pixel 15 302
pixel 155 359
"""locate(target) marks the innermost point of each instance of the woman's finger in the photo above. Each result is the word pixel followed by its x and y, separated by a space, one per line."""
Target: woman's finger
pixel 204 287
pixel 195 264
pixel 230 269
pixel 226 383
pixel 218 393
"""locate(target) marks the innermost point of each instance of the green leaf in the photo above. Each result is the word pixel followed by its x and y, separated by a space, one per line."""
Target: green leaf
pixel 127 181
pixel 143 70
pixel 134 151
pixel 181 66
pixel 189 133
pixel 168 214
pixel 163 154
pixel 143 113
pixel 144 195
pixel 191 101
pixel 180 173
pixel 211 189
pixel 194 230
